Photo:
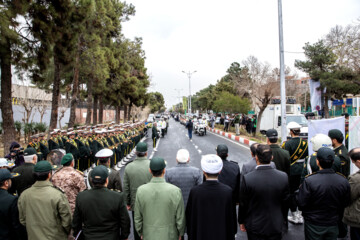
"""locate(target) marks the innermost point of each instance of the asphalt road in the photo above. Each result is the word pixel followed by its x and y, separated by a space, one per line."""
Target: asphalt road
pixel 177 138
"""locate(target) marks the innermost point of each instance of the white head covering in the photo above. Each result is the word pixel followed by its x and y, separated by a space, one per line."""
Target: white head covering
pixel 182 156
pixel 211 163
pixel 4 162
pixel 104 153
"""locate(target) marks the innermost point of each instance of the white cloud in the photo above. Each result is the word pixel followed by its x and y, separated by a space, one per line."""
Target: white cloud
pixel 208 36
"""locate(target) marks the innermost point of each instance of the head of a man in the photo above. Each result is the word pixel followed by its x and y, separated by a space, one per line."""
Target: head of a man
pixel 271 136
pixel 157 167
pixel 294 129
pixel 68 160
pixel 253 149
pixel 222 151
pixel 211 165
pixel 354 155
pixel 43 171
pixel 141 149
pixel 104 156
pixel 325 158
pixel 5 178
pixel 263 154
pixel 336 136
pixel 99 176
pixel 183 156
pixel 30 155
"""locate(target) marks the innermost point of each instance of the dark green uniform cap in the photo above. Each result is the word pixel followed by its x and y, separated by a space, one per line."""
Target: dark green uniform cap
pixel 29 151
pixel 325 153
pixel 44 166
pixel 157 164
pixel 67 158
pixel 271 134
pixel 5 174
pixel 335 134
pixel 100 173
pixel 141 147
pixel 222 148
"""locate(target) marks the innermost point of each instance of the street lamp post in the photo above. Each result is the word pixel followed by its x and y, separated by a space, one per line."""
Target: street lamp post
pixel 189 76
pixel 282 74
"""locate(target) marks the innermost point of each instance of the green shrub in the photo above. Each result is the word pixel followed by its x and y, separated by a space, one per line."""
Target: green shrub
pixel 40 127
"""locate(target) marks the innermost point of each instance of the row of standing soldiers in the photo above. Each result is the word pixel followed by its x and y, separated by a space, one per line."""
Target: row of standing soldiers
pixel 84 142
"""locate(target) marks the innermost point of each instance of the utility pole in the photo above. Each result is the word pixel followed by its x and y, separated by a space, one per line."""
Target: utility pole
pixel 178 91
pixel 282 75
pixel 189 76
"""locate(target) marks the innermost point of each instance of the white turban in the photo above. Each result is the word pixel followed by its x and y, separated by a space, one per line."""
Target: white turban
pixel 182 156
pixel 211 163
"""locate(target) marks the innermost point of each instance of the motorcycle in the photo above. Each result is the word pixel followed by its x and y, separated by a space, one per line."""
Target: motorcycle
pixel 201 129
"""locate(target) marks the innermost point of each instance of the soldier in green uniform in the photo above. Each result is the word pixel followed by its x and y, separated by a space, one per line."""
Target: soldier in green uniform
pixel 53 142
pixel 96 144
pixel 155 135
pixel 281 157
pixel 111 145
pixel 72 147
pixel 310 166
pixel 58 136
pixel 36 145
pixel 340 150
pixel 101 221
pixel 298 150
pixel 84 152
pixel 44 209
pixel 64 137
pixel 44 146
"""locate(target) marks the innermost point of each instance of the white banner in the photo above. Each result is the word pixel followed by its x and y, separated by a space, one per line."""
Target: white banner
pixel 354 137
pixel 323 126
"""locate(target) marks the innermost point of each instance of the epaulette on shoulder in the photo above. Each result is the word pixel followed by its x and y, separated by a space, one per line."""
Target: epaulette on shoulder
pixel 79 171
pixel 283 145
pixel 58 189
pixel 314 154
pixel 310 174
pixel 341 174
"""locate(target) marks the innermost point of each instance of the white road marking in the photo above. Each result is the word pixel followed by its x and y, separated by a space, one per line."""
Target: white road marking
pixel 196 146
pixel 153 152
pixel 230 140
pixel 199 151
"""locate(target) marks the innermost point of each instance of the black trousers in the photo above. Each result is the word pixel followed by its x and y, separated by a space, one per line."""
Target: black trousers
pixel 253 236
pixel 294 185
pixel 354 233
pixel 136 235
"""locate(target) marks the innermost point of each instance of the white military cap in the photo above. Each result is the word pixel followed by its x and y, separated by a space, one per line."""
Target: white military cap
pixel 104 153
pixel 182 156
pixel 211 163
pixel 70 133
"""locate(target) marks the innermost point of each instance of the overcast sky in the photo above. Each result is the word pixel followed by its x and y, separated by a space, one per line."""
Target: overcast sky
pixel 207 36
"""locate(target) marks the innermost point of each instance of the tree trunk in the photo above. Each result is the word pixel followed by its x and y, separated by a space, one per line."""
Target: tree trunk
pixel 326 106
pixel 6 107
pixel 95 107
pixel 101 109
pixel 117 114
pixel 125 113
pixel 129 112
pixel 75 90
pixel 89 101
pixel 55 95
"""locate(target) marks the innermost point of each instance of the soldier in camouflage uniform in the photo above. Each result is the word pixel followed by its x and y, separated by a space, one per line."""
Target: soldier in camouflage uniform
pixel 68 179
pixel 298 150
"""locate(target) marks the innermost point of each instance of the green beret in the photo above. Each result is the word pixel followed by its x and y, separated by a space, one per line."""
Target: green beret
pixel 29 151
pixel 67 158
pixel 335 134
pixel 100 172
pixel 141 147
pixel 222 148
pixel 44 166
pixel 157 164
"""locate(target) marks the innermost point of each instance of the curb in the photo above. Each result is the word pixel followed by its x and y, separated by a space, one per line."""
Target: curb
pixel 239 139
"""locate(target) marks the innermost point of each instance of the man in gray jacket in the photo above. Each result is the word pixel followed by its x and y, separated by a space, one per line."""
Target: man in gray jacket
pixel 183 175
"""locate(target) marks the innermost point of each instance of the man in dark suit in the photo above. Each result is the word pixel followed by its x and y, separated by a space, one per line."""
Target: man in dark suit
pixel 209 209
pixel 264 195
pixel 250 166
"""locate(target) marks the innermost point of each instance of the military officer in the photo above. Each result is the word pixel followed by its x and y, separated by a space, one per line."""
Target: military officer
pixel 10 227
pixel 281 157
pixel 96 144
pixel 44 209
pixel 310 166
pixel 44 147
pixel 322 198
pixel 104 156
pixel 298 150
pixel 53 142
pixel 64 137
pixel 155 135
pixel 97 220
pixel 84 153
pixel 340 150
pixel 69 180
pixel 36 145
pixel 72 147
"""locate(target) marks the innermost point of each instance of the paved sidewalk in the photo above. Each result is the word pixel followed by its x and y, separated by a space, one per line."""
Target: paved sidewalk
pixel 233 137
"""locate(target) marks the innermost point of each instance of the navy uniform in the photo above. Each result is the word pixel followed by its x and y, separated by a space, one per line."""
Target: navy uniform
pixel 104 219
pixel 322 197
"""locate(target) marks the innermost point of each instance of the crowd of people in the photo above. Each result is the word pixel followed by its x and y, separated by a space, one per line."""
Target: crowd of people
pixel 40 201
